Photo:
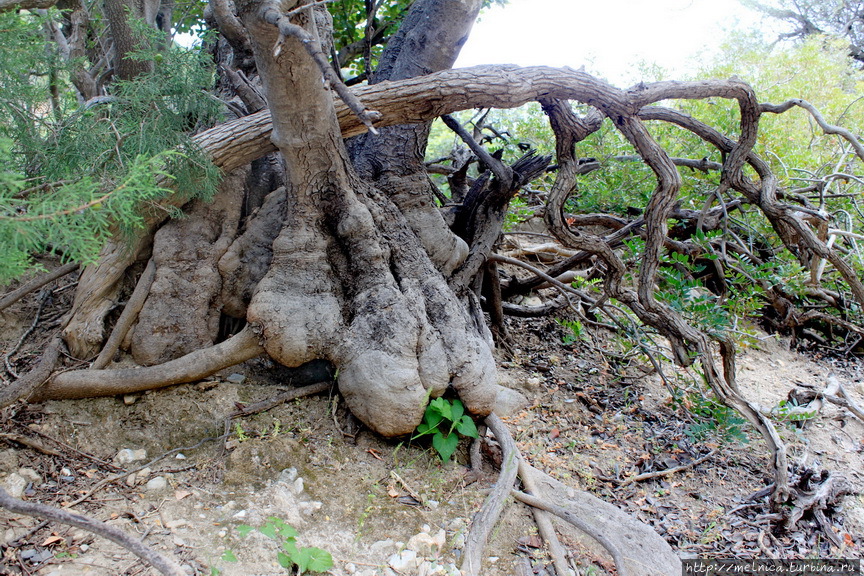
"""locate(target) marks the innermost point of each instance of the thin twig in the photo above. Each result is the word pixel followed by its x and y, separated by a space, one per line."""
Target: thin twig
pixel 44 295
pixel 659 473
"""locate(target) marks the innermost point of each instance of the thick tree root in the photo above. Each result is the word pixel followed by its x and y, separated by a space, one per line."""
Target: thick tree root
pixel 484 521
pixel 22 387
pixel 127 317
pixel 194 366
pixel 162 563
pixel 636 549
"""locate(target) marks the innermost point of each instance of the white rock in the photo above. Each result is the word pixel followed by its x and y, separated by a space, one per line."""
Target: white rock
pixel 156 484
pixel 288 475
pixel 382 547
pixel 240 514
pixel 131 479
pixel 174 524
pixel 30 475
pixel 425 545
pixel 15 484
pixel 180 456
pixel 404 562
pixel 350 568
pixel 128 455
pixel 297 487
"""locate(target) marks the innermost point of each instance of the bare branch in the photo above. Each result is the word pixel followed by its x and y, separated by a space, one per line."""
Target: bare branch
pixel 162 563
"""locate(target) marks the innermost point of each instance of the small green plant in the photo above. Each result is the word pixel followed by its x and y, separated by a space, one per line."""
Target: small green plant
pixel 790 412
pixel 446 420
pixel 716 421
pixel 308 559
pixel 577 331
pixel 241 434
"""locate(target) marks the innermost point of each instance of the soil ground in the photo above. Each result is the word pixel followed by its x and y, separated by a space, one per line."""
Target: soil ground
pixel 593 422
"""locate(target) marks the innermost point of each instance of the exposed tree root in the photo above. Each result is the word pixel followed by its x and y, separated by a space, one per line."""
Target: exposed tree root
pixel 484 520
pixel 564 514
pixel 194 366
pixel 544 524
pixel 127 317
pixel 36 283
pixel 636 549
pixel 162 563
pixel 25 385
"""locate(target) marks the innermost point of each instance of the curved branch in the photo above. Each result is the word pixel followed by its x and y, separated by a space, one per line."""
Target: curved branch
pixel 162 563
pixel 826 127
pixel 189 368
pixel 36 283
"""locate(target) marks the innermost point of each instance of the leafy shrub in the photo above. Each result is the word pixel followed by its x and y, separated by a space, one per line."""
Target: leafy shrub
pixel 445 420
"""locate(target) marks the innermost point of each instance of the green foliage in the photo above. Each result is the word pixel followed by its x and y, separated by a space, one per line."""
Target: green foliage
pixel 304 559
pixel 445 420
pixel 576 331
pixel 717 422
pixel 350 23
pixel 72 175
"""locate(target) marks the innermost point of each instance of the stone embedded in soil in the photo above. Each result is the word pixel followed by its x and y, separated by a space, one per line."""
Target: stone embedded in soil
pixel 405 562
pixel 128 456
pixel 156 484
pixel 15 484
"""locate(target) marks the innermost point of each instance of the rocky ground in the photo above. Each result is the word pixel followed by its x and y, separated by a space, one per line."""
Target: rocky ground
pixel 165 467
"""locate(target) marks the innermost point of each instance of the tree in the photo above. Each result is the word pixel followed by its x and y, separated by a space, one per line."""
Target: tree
pixel 839 18
pixel 336 249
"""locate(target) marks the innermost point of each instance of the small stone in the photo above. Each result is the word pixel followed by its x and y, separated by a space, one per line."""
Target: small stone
pixel 492 559
pixel 424 545
pixel 15 484
pixel 222 533
pixel 309 508
pixel 404 562
pixel 188 569
pixel 156 484
pixel 84 547
pixel 288 475
pixel 179 542
pixel 128 455
pixel 129 399
pixel 459 541
pixel 131 479
pixel 174 524
pixel 240 514
pixel 30 474
pixel 432 504
pixel 382 547
pixel 297 487
pixel 143 474
pixel 236 378
pixel 180 456
pixel 350 568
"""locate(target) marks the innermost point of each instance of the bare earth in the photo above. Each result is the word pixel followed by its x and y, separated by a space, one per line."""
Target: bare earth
pixel 365 499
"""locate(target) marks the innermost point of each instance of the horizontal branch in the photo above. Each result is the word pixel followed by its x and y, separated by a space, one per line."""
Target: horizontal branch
pixel 422 98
